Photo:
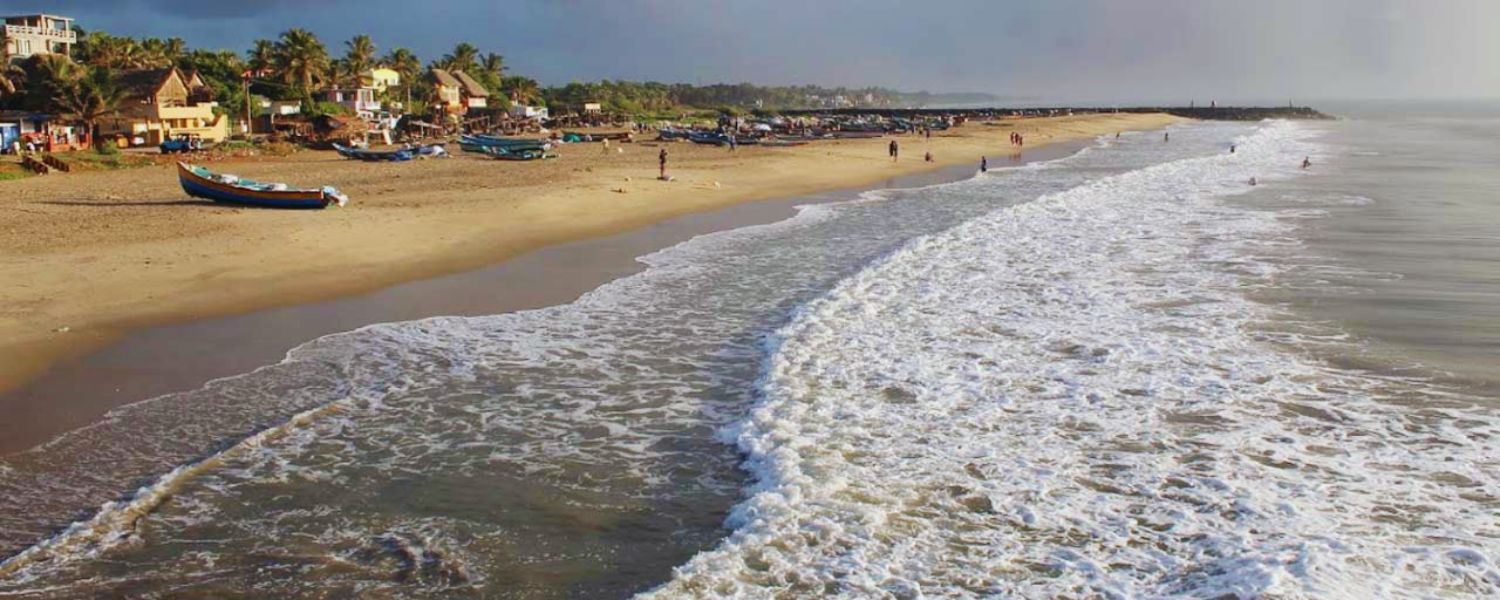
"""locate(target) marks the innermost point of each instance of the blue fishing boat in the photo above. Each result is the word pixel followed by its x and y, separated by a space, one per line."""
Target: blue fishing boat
pixel 199 182
pixel 515 153
pixel 398 155
pixel 478 143
pixel 708 137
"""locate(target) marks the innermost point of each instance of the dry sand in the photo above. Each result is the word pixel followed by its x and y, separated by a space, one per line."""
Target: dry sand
pixel 85 257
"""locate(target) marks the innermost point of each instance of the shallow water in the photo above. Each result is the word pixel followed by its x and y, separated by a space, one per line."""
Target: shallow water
pixel 1102 374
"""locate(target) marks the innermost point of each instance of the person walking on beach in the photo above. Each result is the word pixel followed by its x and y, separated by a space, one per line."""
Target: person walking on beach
pixel 895 150
pixel 1231 148
pixel 984 164
pixel 1166 137
pixel 734 144
pixel 662 160
pixel 606 145
pixel 1306 162
pixel 928 157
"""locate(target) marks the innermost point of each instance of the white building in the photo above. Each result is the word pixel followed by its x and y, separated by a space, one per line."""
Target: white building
pixel 521 111
pixel 29 35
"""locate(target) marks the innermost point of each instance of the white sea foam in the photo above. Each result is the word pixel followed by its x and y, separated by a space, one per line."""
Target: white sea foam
pixel 1073 397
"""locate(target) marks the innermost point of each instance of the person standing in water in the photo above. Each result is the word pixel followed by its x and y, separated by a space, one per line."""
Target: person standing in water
pixel 1166 136
pixel 984 164
pixel 1231 148
pixel 1306 162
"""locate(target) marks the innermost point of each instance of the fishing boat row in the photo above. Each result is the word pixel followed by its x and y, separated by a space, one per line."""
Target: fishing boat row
pixel 199 182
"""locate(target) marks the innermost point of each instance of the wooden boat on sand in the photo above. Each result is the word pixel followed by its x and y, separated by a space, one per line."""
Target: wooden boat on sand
pixel 199 182
pixel 397 155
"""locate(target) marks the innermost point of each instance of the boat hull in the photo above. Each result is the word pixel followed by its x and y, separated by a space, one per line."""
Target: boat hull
pixel 198 186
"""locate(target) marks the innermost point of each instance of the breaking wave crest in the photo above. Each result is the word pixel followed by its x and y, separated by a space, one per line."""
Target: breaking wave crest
pixel 1074 397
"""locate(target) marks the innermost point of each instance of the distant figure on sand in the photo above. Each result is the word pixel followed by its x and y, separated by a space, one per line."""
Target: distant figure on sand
pixel 895 150
pixel 662 159
pixel 606 145
pixel 734 144
pixel 1306 162
pixel 928 157
pixel 1166 137
pixel 984 164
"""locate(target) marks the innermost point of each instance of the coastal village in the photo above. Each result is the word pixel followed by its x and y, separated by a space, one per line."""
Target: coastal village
pixel 130 165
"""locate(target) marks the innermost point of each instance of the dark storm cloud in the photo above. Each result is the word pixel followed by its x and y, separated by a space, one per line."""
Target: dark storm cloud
pixel 1098 50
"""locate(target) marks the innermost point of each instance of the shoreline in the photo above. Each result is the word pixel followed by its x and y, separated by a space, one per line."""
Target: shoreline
pixel 136 356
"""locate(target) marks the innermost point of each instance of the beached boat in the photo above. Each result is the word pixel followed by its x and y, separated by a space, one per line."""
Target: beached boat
pixel 202 183
pixel 515 153
pixel 397 155
pixel 669 133
pixel 708 137
pixel 480 143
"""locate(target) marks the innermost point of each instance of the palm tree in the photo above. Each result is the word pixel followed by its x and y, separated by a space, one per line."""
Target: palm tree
pixel 360 55
pixel 301 59
pixel 12 80
pixel 462 59
pixel 522 90
pixel 90 98
pixel 408 66
pixel 494 64
pixel 262 57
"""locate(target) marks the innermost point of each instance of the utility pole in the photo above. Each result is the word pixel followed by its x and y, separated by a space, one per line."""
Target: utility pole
pixel 249 124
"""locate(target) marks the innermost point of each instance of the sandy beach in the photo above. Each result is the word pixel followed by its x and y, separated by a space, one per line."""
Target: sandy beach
pixel 89 256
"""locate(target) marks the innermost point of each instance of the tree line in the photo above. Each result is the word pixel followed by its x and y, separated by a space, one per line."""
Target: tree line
pixel 297 65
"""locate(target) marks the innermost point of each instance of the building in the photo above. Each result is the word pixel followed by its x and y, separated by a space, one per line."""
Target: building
pixel 361 101
pixel 475 96
pixel 455 92
pixel 162 104
pixel 522 111
pixel 380 79
pixel 29 35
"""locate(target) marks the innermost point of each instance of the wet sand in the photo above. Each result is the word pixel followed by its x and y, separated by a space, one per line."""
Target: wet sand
pixel 161 357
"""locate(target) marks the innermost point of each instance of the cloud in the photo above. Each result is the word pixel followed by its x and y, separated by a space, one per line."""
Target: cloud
pixel 1093 50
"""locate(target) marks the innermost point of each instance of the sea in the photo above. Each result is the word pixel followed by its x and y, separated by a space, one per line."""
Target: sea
pixel 1125 372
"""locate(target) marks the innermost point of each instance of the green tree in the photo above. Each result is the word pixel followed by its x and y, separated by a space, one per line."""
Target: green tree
pixel 463 58
pixel 301 60
pixel 12 81
pixel 262 56
pixel 90 97
pixel 359 56
pixel 408 66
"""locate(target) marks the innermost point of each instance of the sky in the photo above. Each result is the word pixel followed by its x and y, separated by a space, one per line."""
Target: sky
pixel 1098 51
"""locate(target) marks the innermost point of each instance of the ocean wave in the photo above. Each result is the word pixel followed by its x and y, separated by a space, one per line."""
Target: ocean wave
pixel 1073 397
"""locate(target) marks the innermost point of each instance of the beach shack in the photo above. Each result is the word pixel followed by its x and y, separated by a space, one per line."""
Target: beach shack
pixel 163 103
pixel 447 92
pixel 54 133
pixel 474 95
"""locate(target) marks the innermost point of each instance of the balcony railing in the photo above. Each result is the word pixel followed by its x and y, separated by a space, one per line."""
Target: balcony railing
pixel 62 35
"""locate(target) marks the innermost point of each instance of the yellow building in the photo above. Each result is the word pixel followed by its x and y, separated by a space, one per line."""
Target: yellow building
pixel 164 103
pixel 380 79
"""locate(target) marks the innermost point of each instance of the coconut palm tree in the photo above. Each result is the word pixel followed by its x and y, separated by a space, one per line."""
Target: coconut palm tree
pixel 407 65
pixel 494 65
pixel 463 58
pixel 360 55
pixel 301 59
pixel 12 80
pixel 90 98
pixel 522 90
pixel 262 57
